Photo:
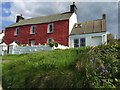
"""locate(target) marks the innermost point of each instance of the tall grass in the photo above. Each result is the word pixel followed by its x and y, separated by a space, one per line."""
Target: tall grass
pixel 70 68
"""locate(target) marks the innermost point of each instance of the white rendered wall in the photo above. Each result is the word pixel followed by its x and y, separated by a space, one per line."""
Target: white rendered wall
pixel 1 37
pixel 72 21
pixel 15 49
pixel 3 49
pixel 89 39
pixel 97 40
pixel 27 49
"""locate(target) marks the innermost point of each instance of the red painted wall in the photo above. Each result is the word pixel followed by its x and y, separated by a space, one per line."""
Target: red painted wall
pixel 60 33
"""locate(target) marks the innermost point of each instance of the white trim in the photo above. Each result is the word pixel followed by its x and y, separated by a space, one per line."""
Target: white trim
pixel 31 29
pixel 79 42
pixel 48 29
pixel 87 35
pixel 16 31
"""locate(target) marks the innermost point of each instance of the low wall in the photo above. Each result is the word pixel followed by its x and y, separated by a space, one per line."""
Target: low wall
pixel 14 48
pixel 28 49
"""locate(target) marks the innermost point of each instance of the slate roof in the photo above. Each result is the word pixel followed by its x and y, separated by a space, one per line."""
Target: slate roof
pixel 94 26
pixel 43 19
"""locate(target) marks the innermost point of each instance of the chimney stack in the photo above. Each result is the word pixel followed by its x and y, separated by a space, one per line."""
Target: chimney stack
pixel 73 8
pixel 19 17
pixel 104 16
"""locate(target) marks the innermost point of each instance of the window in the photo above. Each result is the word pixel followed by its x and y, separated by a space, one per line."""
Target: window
pixel 16 41
pixel 82 41
pixel 79 42
pixel 32 42
pixel 49 40
pixel 17 31
pixel 76 42
pixel 50 28
pixel 33 29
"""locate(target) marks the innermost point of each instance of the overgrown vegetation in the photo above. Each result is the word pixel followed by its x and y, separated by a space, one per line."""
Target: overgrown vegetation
pixel 87 67
pixel 51 44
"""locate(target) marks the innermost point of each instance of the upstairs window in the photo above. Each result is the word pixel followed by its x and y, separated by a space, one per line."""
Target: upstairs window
pixel 17 31
pixel 33 30
pixel 50 28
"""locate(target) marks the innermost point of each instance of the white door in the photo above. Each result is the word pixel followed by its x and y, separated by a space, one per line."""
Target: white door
pixel 97 40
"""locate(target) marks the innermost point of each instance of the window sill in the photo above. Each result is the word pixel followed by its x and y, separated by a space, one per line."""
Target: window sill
pixel 15 35
pixel 49 32
pixel 32 33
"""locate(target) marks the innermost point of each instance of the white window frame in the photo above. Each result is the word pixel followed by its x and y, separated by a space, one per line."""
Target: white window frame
pixel 48 30
pixel 82 43
pixel 31 30
pixel 49 39
pixel 79 42
pixel 17 31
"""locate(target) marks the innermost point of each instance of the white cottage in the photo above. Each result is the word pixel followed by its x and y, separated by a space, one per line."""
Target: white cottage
pixel 89 33
pixel 1 36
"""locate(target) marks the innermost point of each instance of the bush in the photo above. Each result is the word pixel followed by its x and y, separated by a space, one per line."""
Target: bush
pixel 91 67
pixel 51 44
pixel 56 44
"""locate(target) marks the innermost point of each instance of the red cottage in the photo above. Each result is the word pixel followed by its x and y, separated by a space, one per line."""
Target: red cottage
pixel 42 30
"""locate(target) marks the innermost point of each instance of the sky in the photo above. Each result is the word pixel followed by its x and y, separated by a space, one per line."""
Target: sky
pixel 85 11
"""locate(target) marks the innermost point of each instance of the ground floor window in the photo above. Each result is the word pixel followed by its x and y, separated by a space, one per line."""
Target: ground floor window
pixel 16 41
pixel 76 42
pixel 49 40
pixel 32 42
pixel 82 41
pixel 79 42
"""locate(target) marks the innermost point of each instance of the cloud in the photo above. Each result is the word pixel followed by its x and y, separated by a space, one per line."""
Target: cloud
pixel 34 9
pixel 92 11
pixel 62 0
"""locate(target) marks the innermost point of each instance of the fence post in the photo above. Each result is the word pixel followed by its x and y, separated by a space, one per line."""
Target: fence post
pixel 3 49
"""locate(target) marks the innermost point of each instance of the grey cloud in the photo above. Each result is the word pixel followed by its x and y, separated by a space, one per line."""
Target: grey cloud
pixel 94 10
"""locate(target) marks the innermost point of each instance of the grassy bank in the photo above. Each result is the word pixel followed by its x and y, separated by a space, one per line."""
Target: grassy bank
pixel 71 68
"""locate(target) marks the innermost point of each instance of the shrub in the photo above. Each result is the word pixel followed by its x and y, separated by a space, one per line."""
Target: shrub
pixel 51 44
pixel 56 44
pixel 91 67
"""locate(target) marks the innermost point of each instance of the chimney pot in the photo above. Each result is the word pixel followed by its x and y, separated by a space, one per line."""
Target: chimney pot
pixel 73 8
pixel 19 17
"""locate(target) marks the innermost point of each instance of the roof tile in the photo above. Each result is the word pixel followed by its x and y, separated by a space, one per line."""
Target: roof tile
pixel 93 26
pixel 43 19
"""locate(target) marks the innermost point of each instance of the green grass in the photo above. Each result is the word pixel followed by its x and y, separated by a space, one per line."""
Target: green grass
pixel 70 68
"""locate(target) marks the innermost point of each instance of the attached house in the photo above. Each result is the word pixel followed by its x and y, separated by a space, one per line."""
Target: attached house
pixel 62 28
pixel 89 33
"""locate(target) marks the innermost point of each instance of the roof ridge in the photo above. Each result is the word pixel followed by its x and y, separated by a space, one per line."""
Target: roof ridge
pixel 47 15
pixel 43 19
pixel 89 21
